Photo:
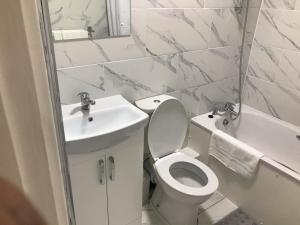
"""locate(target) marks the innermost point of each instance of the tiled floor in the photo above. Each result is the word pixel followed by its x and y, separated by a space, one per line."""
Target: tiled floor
pixel 149 216
pixel 217 210
pixel 238 217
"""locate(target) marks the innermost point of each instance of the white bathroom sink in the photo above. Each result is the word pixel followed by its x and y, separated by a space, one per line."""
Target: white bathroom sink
pixel 108 122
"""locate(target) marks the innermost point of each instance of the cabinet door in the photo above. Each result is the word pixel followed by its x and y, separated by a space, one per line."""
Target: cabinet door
pixel 88 181
pixel 124 181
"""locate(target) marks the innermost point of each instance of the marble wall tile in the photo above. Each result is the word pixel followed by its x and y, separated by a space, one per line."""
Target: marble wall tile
pixel 179 30
pixel 75 80
pixel 67 54
pixel 279 28
pixel 206 66
pixel 167 3
pixel 154 74
pixel 275 65
pixel 223 3
pixel 150 75
pixel 200 100
pixel 290 29
pixel 289 74
pixel 267 30
pixel 101 81
pixel 276 100
pixel 226 29
pixel 280 4
pixel 264 62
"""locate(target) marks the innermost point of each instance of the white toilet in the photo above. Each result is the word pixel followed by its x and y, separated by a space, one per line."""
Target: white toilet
pixel 183 182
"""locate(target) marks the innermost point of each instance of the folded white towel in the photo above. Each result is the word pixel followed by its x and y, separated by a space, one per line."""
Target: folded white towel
pixel 69 34
pixel 234 154
pixel 74 34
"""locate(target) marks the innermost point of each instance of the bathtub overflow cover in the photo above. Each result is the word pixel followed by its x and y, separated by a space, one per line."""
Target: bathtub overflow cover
pixel 298 137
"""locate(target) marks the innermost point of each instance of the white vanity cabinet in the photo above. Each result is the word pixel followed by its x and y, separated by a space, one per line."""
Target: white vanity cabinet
pixel 107 184
pixel 89 195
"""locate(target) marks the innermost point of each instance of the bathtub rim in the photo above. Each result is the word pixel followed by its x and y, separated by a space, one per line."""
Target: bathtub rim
pixel 209 125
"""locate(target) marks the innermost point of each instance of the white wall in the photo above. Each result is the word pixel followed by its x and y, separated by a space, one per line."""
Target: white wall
pixel 26 113
pixel 8 163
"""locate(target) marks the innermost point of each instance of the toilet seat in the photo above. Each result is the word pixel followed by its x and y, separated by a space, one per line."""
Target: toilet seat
pixel 167 128
pixel 182 178
pixel 164 165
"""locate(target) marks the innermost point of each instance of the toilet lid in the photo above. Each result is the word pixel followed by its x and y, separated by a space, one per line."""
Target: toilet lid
pixel 167 128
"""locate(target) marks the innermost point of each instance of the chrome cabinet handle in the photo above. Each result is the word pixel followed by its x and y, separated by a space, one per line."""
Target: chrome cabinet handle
pixel 101 171
pixel 111 168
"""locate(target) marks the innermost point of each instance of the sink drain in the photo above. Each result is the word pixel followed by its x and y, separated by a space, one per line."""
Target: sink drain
pixel 90 119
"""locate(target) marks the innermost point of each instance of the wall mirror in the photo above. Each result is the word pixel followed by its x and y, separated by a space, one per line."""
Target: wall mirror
pixel 89 19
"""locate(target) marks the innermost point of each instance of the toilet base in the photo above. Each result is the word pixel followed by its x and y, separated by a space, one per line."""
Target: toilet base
pixel 174 212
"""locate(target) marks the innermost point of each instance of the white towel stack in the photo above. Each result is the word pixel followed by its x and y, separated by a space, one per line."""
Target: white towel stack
pixel 234 154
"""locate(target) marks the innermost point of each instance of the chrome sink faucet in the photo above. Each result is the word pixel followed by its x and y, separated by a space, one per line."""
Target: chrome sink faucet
pixel 224 108
pixel 86 101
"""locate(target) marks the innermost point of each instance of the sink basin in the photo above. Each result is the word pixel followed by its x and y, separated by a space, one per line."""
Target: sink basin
pixel 110 121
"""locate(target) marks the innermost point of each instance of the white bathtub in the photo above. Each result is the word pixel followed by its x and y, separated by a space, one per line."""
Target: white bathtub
pixel 273 195
pixel 277 140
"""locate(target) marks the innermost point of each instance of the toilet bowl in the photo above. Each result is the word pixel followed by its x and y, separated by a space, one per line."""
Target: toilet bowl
pixel 183 182
pixel 185 179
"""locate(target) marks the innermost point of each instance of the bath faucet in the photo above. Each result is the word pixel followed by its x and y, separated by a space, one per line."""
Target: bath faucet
pixel 218 108
pixel 223 108
pixel 86 101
